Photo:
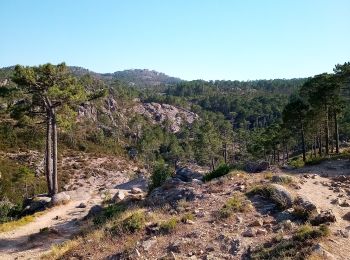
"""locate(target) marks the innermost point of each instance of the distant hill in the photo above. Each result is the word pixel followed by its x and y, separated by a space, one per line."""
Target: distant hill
pixel 143 77
pixel 134 77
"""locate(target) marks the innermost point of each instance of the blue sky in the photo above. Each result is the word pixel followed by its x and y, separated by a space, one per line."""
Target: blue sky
pixel 190 39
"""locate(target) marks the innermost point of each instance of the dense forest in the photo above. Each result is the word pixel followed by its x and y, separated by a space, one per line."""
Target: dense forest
pixel 280 121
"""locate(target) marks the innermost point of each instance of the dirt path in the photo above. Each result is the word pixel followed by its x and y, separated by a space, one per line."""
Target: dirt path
pixel 27 242
pixel 322 196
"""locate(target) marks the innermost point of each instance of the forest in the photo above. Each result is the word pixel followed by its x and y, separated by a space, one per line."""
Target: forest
pixel 280 121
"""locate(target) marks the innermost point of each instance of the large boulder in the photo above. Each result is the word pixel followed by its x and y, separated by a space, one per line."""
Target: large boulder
pixel 281 196
pixel 304 207
pixel 172 191
pixel 35 204
pixel 119 196
pixel 187 175
pixel 326 216
pixel 60 199
pixel 255 167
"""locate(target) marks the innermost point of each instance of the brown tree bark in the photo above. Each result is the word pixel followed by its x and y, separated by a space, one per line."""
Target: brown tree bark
pixel 48 166
pixel 336 132
pixel 54 153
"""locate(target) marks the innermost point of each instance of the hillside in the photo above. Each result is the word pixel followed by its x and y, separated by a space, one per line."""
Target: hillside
pixel 202 169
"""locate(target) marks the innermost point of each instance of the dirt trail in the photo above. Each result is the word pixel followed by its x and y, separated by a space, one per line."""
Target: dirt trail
pixel 27 242
pixel 318 191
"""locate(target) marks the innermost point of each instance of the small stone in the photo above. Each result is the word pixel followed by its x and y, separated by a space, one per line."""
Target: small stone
pixel 136 190
pixel 190 222
pixel 344 204
pixel 257 223
pixel 81 205
pixel 119 196
pixel 261 231
pixel 249 233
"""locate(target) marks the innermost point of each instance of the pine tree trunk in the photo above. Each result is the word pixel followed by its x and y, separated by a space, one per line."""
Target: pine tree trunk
pixel 336 132
pixel 54 153
pixel 327 131
pixel 48 166
pixel 303 142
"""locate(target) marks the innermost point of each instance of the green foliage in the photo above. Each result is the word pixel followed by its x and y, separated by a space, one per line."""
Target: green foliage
pixel 5 210
pixel 297 162
pixel 269 192
pixel 135 222
pixel 169 225
pixel 159 175
pixel 234 204
pixel 300 246
pixel 186 217
pixel 112 211
pixel 222 170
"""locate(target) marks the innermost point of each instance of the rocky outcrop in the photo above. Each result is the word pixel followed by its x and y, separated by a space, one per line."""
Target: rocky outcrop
pixel 162 113
pixel 281 196
pixel 326 216
pixel 187 175
pixel 172 191
pixel 60 199
pixel 35 204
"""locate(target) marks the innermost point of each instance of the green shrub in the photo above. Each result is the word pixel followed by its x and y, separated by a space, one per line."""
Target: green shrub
pixel 222 170
pixel 169 225
pixel 110 212
pixel 298 247
pixel 5 210
pixel 297 162
pixel 232 205
pixel 186 217
pixel 159 175
pixel 134 222
pixel 270 192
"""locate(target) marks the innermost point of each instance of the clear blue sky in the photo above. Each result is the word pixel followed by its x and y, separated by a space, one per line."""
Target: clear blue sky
pixel 190 39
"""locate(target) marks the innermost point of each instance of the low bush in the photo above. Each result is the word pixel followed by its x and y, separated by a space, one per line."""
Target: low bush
pixel 187 216
pixel 232 205
pixel 134 222
pixel 108 213
pixel 169 225
pixel 298 247
pixel 222 170
pixel 159 175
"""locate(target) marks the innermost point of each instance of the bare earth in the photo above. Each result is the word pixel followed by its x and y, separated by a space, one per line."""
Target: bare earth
pixel 94 179
pixel 27 243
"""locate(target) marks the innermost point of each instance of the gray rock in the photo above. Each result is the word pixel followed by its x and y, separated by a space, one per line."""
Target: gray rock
pixel 305 206
pixel 81 205
pixel 94 211
pixel 172 191
pixel 148 244
pixel 187 175
pixel 119 196
pixel 136 190
pixel 35 204
pixel 60 199
pixel 281 196
pixel 249 233
pixel 324 217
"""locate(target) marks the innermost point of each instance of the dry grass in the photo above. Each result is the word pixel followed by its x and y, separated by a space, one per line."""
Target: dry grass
pixel 8 226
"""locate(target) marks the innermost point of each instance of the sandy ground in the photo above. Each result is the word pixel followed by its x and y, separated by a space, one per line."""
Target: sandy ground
pixel 26 242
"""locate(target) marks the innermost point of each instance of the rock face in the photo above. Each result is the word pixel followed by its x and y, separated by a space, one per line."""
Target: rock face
pixel 161 113
pixel 172 191
pixel 281 196
pixel 326 216
pixel 94 211
pixel 119 196
pixel 255 167
pixel 187 175
pixel 60 199
pixel 305 206
pixel 36 204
